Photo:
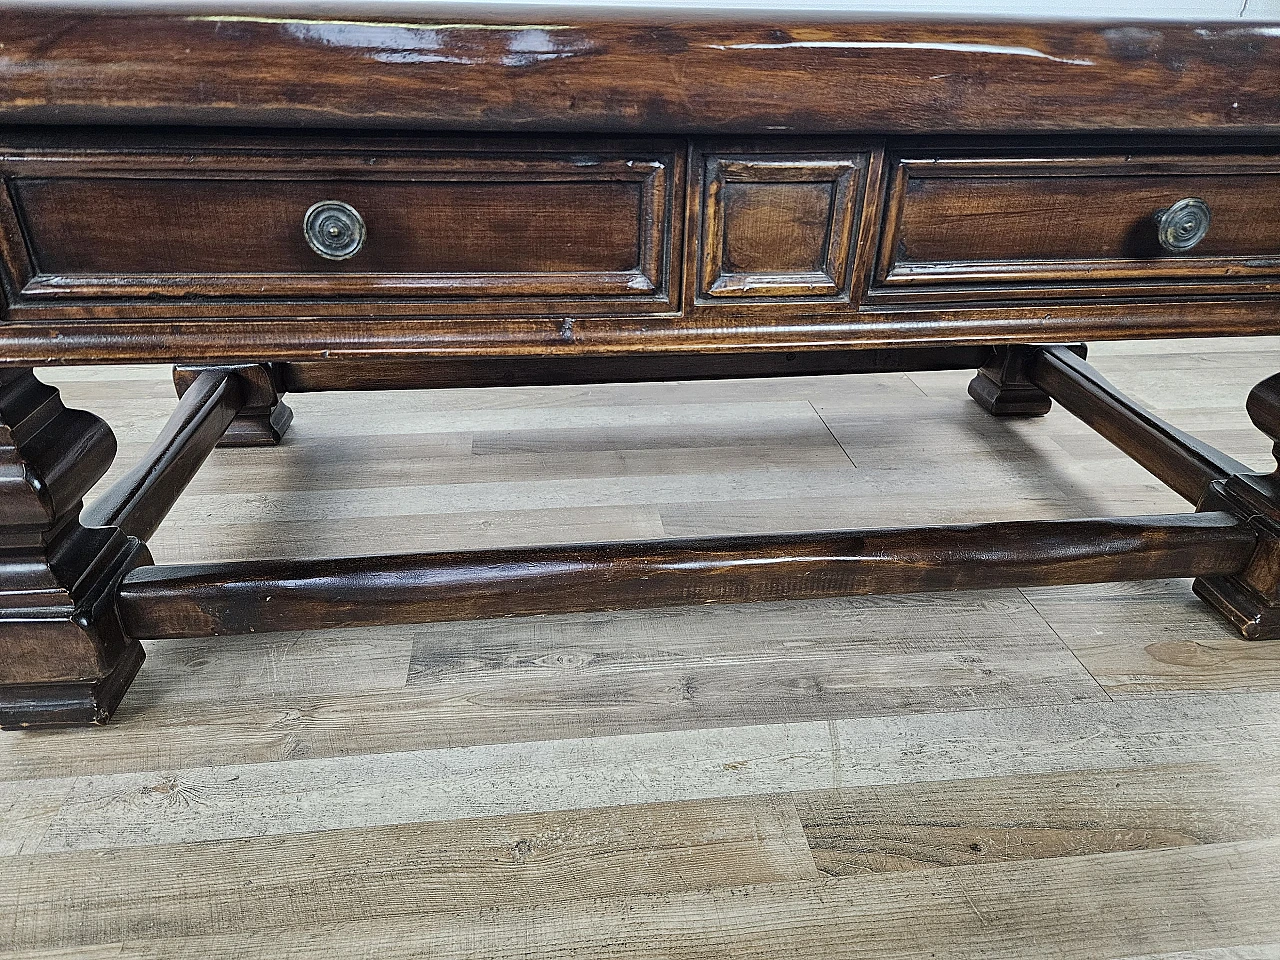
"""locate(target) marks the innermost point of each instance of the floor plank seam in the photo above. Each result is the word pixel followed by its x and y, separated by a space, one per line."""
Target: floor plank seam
pixel 842 447
pixel 1065 646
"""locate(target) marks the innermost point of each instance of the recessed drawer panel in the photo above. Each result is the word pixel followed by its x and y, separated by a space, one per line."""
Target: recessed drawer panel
pixel 776 224
pixel 1080 223
pixel 385 225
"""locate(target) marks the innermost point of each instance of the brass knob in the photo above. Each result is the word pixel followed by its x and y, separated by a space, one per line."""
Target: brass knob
pixel 1183 225
pixel 334 229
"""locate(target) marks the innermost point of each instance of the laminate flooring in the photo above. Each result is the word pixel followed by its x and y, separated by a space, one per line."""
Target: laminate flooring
pixel 1074 772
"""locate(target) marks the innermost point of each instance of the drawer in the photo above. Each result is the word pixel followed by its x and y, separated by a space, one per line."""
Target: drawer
pixel 512 231
pixel 1031 226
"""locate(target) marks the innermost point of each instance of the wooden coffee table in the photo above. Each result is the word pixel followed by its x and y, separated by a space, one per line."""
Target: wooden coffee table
pixel 475 197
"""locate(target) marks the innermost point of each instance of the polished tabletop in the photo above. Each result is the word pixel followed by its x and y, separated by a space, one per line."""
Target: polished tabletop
pixel 1158 10
pixel 664 66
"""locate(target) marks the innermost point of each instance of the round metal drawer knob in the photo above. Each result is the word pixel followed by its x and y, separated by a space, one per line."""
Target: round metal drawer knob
pixel 334 229
pixel 1183 225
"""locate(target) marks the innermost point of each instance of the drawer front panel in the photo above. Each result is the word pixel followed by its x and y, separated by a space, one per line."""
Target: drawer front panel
pixel 435 227
pixel 779 225
pixel 1028 223
pixel 88 228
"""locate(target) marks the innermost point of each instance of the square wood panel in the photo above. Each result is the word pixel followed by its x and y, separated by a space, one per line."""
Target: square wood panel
pixel 779 226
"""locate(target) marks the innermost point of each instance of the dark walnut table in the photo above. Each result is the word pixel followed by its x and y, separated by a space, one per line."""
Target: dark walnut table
pixel 421 197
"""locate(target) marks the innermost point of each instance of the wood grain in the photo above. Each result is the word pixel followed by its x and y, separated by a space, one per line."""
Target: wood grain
pixel 289 795
pixel 1156 642
pixel 654 760
pixel 572 248
pixel 508 225
pixel 63 655
pixel 1011 222
pixel 151 332
pixel 1184 900
pixel 400 872
pixel 579 676
pixel 781 223
pixel 925 826
pixel 471 69
pixel 171 601
pixel 1185 464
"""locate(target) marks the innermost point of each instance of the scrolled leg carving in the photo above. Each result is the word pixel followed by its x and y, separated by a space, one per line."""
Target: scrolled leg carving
pixel 63 655
pixel 1251 600
pixel 1002 388
pixel 265 418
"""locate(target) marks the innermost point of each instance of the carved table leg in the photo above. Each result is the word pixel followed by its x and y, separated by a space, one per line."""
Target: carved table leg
pixel 1003 389
pixel 63 655
pixel 265 419
pixel 1251 600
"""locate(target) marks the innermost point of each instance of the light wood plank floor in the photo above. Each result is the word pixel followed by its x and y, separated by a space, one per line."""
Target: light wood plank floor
pixel 1075 772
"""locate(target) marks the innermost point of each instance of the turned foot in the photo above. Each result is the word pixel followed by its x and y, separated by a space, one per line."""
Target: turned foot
pixel 1002 388
pixel 63 655
pixel 1251 599
pixel 265 418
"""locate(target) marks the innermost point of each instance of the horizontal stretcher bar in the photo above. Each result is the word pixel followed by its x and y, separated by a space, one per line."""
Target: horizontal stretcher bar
pixel 269 595
pixel 447 372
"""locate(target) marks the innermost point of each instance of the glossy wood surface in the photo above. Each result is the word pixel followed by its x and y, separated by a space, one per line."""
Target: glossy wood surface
pixel 444 373
pixel 1251 599
pixel 167 337
pixel 781 223
pixel 263 419
pixel 653 71
pixel 823 181
pixel 785 184
pixel 80 228
pixel 497 226
pixel 236 598
pixel 1183 463
pixel 1008 221
pixel 189 247
pixel 138 502
pixel 1003 387
pixel 64 657
pixel 1228 546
